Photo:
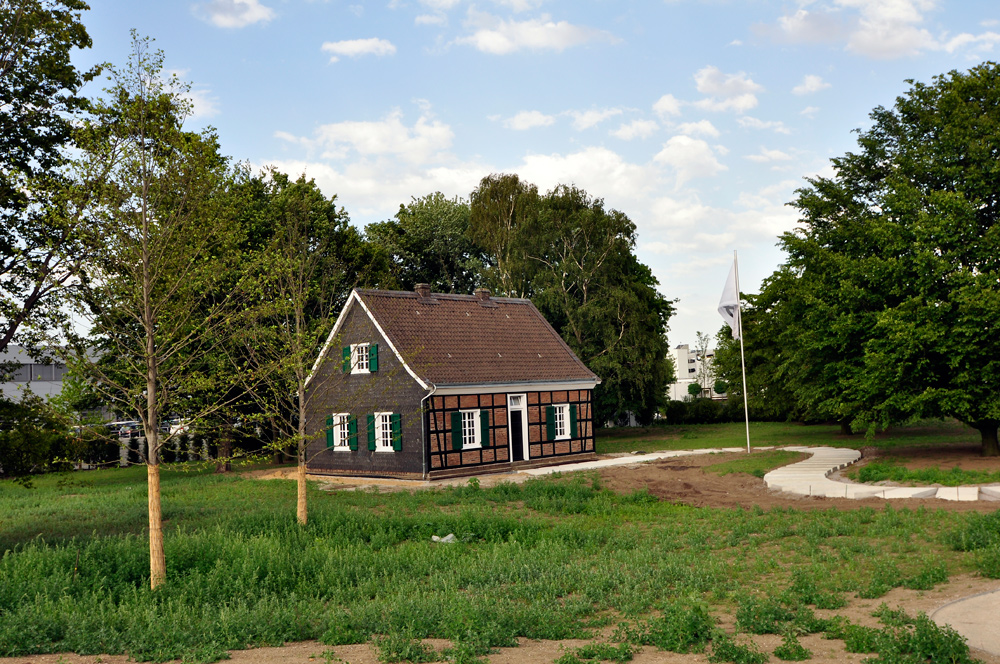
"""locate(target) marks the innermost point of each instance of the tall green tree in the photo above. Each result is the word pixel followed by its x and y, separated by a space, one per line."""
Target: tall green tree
pixel 503 214
pixel 892 287
pixel 159 245
pixel 40 96
pixel 602 300
pixel 428 242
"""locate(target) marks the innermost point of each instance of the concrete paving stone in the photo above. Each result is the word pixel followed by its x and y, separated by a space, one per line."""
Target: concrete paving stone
pixel 962 493
pixel 975 619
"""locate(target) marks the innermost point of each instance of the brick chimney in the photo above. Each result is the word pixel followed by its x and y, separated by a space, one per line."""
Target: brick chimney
pixel 423 290
pixel 482 294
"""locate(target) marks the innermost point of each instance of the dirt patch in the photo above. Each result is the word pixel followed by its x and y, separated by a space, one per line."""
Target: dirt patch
pixel 966 457
pixel 543 652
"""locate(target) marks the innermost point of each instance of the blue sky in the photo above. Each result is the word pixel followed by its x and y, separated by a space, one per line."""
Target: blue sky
pixel 698 119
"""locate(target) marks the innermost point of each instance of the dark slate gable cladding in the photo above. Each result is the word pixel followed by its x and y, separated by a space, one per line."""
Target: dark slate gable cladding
pixel 468 339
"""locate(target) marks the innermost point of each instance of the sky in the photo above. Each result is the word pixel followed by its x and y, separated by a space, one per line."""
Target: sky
pixel 698 119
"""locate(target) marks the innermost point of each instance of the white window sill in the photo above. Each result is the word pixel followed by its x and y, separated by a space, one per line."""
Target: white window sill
pixel 341 449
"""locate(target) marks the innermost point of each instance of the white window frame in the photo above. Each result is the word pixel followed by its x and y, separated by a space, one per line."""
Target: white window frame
pixel 360 358
pixel 476 439
pixel 560 414
pixel 341 432
pixel 383 432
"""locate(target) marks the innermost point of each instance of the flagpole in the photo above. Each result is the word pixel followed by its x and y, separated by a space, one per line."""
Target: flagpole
pixel 743 360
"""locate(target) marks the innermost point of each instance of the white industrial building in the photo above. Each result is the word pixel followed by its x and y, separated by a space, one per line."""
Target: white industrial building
pixel 692 367
pixel 23 372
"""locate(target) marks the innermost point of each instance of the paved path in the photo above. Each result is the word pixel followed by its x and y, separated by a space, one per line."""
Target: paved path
pixel 975 619
pixel 811 478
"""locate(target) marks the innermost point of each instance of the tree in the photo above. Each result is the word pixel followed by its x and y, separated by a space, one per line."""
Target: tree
pixel 159 245
pixel 694 389
pixel 892 287
pixel 503 211
pixel 429 242
pixel 299 282
pixel 39 101
pixel 602 300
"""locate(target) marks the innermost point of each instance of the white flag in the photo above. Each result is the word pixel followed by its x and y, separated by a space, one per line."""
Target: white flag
pixel 729 305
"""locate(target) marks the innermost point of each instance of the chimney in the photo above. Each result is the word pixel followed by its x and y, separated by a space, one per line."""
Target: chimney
pixel 482 294
pixel 423 290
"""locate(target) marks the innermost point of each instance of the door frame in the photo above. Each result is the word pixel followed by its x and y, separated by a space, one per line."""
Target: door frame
pixel 523 408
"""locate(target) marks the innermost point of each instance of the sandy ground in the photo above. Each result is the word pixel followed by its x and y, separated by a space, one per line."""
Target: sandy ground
pixel 680 480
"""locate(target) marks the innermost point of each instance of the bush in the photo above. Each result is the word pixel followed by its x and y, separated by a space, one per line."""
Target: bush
pixel 684 627
pixel 791 650
pixel 31 441
pixel 724 649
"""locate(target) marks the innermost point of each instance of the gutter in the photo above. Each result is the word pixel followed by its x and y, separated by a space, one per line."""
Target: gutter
pixel 425 444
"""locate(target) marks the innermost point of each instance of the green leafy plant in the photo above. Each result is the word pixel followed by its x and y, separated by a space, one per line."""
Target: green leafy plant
pixel 791 650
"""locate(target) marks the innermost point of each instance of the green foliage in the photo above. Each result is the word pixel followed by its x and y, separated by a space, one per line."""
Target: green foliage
pixel 694 389
pixel 979 531
pixel 402 648
pixel 428 242
pixel 40 102
pixel 31 440
pixel 725 649
pixel 893 469
pixel 791 650
pixel 762 616
pixel 598 652
pixel 683 626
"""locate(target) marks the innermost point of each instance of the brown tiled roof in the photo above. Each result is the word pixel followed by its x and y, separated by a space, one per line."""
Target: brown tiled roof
pixel 462 339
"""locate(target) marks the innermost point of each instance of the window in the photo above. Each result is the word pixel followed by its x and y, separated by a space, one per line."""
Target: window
pixel 560 421
pixel 690 361
pixel 340 432
pixel 385 432
pixel 359 358
pixel 470 432
pixel 470 429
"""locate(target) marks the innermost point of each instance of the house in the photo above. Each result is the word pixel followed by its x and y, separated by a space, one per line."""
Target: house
pixel 691 367
pixel 429 385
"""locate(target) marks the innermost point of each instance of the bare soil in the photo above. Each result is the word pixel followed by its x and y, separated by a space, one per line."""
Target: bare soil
pixel 681 480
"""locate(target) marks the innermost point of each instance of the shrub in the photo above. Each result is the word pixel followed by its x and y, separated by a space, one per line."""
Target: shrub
pixel 684 627
pixel 791 650
pixel 404 648
pixel 762 616
pixel 724 649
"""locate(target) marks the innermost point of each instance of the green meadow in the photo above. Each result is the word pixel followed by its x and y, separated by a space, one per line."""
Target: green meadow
pixel 552 558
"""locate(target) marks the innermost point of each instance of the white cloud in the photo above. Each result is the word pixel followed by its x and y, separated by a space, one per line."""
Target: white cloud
pixel 700 128
pixel 431 19
pixel 203 104
pixel 233 13
pixel 690 158
pixel 499 37
pixel 766 156
pixel 881 29
pixel 776 126
pixel 636 129
pixel 809 111
pixel 725 92
pixel 810 83
pixel 667 105
pixel 587 119
pixel 426 140
pixel 528 120
pixel 519 5
pixel 354 48
pixel 600 171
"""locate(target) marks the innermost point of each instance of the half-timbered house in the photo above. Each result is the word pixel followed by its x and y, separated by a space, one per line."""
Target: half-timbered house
pixel 429 385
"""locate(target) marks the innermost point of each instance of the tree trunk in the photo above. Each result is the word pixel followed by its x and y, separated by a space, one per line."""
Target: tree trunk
pixel 224 464
pixel 845 428
pixel 300 511
pixel 157 559
pixel 988 434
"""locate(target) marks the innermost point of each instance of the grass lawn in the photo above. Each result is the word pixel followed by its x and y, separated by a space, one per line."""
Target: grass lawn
pixel 551 558
pixel 766 434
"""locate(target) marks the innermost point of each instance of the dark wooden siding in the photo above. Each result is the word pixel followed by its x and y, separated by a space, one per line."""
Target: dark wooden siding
pixel 390 389
pixel 443 455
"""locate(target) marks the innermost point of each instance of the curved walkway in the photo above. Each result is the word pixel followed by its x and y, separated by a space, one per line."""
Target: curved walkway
pixel 811 478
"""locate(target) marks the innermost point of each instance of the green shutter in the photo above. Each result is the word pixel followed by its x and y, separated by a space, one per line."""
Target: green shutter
pixel 329 431
pixel 352 433
pixel 456 430
pixel 484 428
pixel 347 359
pixel 371 433
pixel 373 358
pixel 397 432
pixel 572 422
pixel 550 423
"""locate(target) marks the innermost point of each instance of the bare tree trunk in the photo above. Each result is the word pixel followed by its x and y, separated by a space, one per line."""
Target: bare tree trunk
pixel 300 511
pixel 301 508
pixel 845 427
pixel 988 434
pixel 157 559
pixel 224 464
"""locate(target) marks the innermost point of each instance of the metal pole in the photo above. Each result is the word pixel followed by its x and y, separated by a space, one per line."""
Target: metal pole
pixel 743 359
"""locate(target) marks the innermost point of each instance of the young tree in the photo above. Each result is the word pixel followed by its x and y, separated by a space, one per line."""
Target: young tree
pixel 429 242
pixel 300 281
pixel 39 99
pixel 159 245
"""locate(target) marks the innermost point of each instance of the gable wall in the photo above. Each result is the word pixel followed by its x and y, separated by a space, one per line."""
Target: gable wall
pixel 391 388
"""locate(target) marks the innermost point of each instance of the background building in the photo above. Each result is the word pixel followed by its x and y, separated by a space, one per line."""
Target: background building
pixel 22 372
pixel 692 366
